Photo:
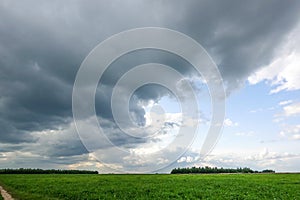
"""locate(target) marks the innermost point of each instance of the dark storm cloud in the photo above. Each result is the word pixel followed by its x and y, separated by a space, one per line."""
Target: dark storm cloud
pixel 42 46
pixel 149 92
pixel 43 43
pixel 241 36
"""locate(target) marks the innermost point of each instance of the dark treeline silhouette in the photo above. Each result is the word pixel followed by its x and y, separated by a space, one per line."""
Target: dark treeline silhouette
pixel 212 170
pixel 268 171
pixel 45 171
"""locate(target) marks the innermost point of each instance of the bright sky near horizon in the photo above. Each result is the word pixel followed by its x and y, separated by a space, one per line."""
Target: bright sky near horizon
pixel 255 45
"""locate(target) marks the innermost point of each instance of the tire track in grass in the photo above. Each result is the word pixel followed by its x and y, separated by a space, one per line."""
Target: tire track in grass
pixel 5 194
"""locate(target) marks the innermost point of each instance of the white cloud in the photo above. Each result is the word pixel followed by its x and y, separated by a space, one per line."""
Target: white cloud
pixel 291 132
pixel 229 123
pixel 283 103
pixel 292 109
pixel 283 73
pixel 187 159
pixel 256 110
pixel 257 160
pixel 91 163
pixel 289 109
pixel 247 134
pixel 265 155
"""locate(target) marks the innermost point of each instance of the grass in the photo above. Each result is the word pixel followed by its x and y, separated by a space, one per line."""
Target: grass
pixel 217 186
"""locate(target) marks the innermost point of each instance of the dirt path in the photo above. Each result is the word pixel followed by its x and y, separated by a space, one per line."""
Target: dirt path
pixel 5 195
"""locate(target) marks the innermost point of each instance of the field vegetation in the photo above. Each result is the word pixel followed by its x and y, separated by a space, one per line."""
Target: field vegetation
pixel 156 186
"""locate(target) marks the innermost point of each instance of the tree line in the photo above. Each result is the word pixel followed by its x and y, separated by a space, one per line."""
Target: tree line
pixel 45 171
pixel 212 170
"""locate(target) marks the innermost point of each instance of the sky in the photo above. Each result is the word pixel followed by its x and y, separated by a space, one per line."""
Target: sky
pixel 254 44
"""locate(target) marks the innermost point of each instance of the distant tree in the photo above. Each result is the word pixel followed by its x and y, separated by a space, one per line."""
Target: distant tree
pixel 268 171
pixel 47 171
pixel 211 170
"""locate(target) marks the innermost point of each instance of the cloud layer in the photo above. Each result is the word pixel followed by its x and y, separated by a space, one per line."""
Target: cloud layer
pixel 42 45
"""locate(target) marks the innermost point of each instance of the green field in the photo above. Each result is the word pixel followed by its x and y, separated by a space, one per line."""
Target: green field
pixel 217 186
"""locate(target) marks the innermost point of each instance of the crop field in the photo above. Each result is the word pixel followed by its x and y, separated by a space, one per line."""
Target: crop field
pixel 212 186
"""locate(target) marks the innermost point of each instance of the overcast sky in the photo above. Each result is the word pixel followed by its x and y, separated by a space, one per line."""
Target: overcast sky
pixel 255 45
